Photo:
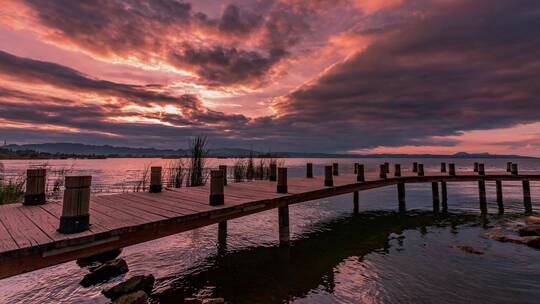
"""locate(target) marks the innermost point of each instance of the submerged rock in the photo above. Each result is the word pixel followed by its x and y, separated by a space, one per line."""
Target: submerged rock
pixel 137 297
pixel 213 301
pixel 136 283
pixel 468 249
pixel 99 258
pixel 105 272
pixel 530 230
pixel 531 220
pixel 192 301
pixel 498 235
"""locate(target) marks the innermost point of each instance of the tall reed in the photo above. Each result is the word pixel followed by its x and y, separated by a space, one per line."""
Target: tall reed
pixel 198 155
pixel 11 189
pixel 239 170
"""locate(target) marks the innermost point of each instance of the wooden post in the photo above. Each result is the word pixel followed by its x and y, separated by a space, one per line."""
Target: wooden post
pixel 355 168
pixel 360 173
pixel 397 170
pixel 527 196
pixel 309 170
pixel 481 169
pixel 387 166
pixel 283 219
pixel 420 169
pixel 328 178
pixel 452 169
pixel 224 169
pixel 500 203
pixel 222 237
pixel 508 166
pixel 444 199
pixel 435 192
pixel 356 200
pixel 382 171
pixel 273 173
pixel 155 180
pixel 475 167
pixel 515 169
pixel 335 169
pixel 415 167
pixel 482 196
pixel 443 167
pixel 217 196
pixel 35 187
pixel 76 205
pixel 401 197
pixel 282 180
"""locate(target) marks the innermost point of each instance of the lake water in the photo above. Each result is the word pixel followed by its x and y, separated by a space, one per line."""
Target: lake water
pixel 377 256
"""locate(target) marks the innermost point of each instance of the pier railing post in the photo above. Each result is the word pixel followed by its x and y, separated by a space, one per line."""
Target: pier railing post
pixel 481 169
pixel 527 196
pixel 355 168
pixel 397 170
pixel 452 169
pixel 356 200
pixel 515 169
pixel 155 180
pixel 382 171
pixel 435 192
pixel 217 188
pixel 443 167
pixel 500 203
pixel 282 180
pixel 273 172
pixel 35 187
pixel 76 205
pixel 508 166
pixel 335 169
pixel 475 168
pixel 328 178
pixel 387 166
pixel 283 222
pixel 401 197
pixel 360 173
pixel 482 196
pixel 415 167
pixel 444 197
pixel 309 170
pixel 224 169
pixel 420 169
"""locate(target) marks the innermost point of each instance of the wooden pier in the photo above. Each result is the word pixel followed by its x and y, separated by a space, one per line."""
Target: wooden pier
pixel 38 234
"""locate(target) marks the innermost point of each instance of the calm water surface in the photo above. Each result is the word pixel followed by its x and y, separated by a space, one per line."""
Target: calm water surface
pixel 377 256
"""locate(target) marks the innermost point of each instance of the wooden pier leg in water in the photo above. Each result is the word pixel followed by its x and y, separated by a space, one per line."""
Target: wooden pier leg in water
pixel 420 169
pixel 155 180
pixel 309 170
pixel 482 196
pixel 224 169
pixel 382 171
pixel 527 196
pixel 360 173
pixel 356 200
pixel 222 237
pixel 500 203
pixel 217 196
pixel 35 187
pixel 335 169
pixel 435 192
pixel 401 197
pixel 76 205
pixel 282 180
pixel 283 219
pixel 444 199
pixel 273 173
pixel 328 178
pixel 397 170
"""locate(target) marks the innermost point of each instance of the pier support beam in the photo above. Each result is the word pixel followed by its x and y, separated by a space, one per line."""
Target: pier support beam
pixel 309 170
pixel 360 173
pixel 500 204
pixel 401 197
pixel 217 196
pixel 155 180
pixel 328 178
pixel 35 187
pixel 356 200
pixel 282 180
pixel 482 196
pixel 527 196
pixel 284 231
pixel 273 173
pixel 222 237
pixel 76 205
pixel 444 197
pixel 435 192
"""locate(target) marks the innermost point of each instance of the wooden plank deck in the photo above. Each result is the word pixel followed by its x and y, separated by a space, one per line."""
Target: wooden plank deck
pixel 29 240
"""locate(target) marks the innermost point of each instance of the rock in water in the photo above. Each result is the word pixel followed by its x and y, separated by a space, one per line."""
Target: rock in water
pixel 137 297
pixel 468 249
pixel 213 301
pixel 136 283
pixel 531 220
pixel 105 272
pixel 101 258
pixel 530 230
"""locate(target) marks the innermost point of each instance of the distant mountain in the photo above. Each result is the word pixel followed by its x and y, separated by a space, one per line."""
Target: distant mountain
pixel 113 151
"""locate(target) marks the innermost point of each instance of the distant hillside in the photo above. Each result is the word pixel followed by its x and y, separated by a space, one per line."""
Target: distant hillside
pixel 113 151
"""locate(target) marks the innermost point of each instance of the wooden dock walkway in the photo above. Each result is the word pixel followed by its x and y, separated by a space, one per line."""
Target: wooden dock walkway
pixel 30 240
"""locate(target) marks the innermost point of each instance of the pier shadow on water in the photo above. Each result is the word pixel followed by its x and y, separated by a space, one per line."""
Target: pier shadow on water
pixel 280 274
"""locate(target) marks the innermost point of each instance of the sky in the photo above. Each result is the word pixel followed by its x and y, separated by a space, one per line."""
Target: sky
pixel 353 76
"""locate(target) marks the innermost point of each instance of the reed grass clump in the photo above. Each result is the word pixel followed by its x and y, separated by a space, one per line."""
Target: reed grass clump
pixel 198 156
pixel 11 189
pixel 239 170
pixel 175 173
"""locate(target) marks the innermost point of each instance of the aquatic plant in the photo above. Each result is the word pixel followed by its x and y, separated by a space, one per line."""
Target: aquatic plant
pixel 11 189
pixel 250 167
pixel 199 152
pixel 175 173
pixel 142 180
pixel 239 170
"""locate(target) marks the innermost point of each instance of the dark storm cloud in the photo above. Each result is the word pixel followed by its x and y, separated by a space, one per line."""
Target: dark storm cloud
pixel 465 65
